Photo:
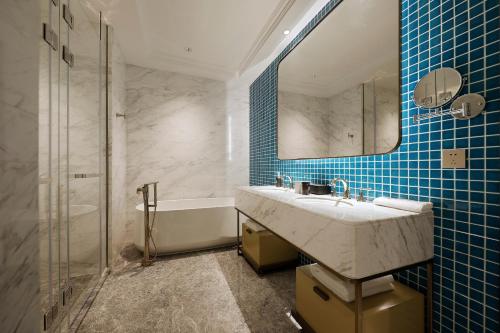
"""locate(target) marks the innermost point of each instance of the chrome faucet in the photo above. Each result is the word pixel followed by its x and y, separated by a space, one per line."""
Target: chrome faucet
pixel 347 193
pixel 361 196
pixel 290 180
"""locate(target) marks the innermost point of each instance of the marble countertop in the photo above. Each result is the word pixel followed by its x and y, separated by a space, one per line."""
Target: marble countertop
pixel 355 239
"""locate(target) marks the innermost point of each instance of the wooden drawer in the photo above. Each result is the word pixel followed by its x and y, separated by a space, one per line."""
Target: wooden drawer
pixel 265 250
pixel 400 310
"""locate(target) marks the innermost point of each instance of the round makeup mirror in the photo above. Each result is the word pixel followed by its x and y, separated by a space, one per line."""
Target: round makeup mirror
pixel 437 88
pixel 470 105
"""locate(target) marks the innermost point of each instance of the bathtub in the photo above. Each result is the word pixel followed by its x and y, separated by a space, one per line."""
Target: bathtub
pixel 188 225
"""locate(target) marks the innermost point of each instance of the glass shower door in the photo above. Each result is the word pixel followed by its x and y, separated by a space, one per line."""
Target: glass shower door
pixel 72 164
pixel 85 155
pixel 48 155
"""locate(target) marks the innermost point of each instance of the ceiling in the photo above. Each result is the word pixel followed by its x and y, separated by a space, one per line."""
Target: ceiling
pixel 357 42
pixel 217 39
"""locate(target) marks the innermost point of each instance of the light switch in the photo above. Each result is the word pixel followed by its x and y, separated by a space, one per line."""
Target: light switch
pixel 453 158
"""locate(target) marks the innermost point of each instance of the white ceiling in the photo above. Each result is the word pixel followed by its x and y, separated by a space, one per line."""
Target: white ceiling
pixel 357 42
pixel 224 37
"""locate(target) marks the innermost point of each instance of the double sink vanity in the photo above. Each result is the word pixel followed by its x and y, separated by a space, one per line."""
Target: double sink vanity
pixel 356 241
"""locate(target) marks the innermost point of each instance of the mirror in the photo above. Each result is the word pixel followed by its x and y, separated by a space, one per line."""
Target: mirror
pixel 339 88
pixel 437 88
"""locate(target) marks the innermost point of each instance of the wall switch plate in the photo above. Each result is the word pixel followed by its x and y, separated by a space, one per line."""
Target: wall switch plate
pixel 453 158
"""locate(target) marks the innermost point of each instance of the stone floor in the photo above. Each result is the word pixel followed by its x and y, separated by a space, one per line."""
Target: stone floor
pixel 214 291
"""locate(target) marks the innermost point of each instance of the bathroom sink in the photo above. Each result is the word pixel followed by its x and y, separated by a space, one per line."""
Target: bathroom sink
pixel 355 239
pixel 331 201
pixel 272 189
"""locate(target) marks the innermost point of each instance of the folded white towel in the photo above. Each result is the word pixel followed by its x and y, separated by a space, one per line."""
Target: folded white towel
pixel 254 226
pixel 345 290
pixel 404 204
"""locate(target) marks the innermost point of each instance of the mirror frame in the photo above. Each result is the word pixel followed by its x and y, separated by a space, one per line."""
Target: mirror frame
pixel 296 41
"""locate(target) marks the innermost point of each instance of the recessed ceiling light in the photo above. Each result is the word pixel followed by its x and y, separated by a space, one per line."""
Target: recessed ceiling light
pixel 286 32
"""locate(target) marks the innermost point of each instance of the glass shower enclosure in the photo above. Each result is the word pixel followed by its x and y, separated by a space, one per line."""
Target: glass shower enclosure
pixel 72 159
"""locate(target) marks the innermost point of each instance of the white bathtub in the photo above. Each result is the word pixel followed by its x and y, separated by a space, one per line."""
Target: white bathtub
pixel 189 224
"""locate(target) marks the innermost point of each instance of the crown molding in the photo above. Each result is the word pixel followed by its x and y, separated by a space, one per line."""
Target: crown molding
pixel 167 62
pixel 270 26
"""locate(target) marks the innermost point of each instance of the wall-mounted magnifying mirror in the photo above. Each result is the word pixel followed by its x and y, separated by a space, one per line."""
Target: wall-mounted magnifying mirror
pixel 438 88
pixel 441 87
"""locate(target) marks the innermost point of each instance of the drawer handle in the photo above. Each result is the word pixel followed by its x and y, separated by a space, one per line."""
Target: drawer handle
pixel 249 231
pixel 324 296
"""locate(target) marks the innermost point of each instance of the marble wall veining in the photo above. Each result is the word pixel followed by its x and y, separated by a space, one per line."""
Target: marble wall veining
pixel 85 130
pixel 183 131
pixel 351 122
pixel 121 232
pixel 346 122
pixel 237 136
pixel 19 286
pixel 83 138
pixel 304 125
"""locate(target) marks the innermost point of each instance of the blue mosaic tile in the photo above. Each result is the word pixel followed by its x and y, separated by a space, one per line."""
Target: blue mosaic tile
pixel 453 33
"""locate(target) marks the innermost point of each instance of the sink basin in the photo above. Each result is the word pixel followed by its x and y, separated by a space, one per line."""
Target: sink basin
pixel 354 239
pixel 330 201
pixel 273 189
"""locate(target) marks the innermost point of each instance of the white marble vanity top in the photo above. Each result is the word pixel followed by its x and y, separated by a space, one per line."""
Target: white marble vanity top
pixel 355 239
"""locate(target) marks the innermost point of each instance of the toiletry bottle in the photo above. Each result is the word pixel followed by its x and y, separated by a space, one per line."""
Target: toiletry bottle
pixel 279 180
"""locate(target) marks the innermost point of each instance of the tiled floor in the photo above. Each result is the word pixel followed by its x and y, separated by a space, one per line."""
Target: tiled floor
pixel 214 291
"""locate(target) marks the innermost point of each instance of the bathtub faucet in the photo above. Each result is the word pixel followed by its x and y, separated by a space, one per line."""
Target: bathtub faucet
pixel 144 189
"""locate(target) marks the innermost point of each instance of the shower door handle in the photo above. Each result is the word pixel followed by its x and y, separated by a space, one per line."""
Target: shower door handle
pixel 85 175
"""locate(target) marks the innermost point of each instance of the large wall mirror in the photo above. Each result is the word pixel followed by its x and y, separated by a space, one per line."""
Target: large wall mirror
pixel 339 88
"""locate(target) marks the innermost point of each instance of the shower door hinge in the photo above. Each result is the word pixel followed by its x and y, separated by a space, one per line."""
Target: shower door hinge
pixel 50 316
pixel 50 36
pixel 67 293
pixel 68 17
pixel 67 56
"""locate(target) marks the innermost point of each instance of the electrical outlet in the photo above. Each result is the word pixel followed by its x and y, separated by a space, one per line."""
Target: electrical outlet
pixel 453 158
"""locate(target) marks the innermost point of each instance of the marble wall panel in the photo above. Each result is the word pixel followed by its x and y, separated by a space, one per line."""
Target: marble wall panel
pixel 312 127
pixel 304 125
pixel 19 286
pixel 186 132
pixel 346 122
pixel 121 232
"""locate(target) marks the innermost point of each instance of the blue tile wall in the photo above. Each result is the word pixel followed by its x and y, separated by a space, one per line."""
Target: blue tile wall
pixel 460 34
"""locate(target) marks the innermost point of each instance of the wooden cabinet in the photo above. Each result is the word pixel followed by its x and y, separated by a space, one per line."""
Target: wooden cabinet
pixel 264 250
pixel 396 311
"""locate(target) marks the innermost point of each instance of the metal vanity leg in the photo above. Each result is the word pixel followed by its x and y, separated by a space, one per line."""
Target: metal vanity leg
pixel 238 242
pixel 358 307
pixel 430 268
